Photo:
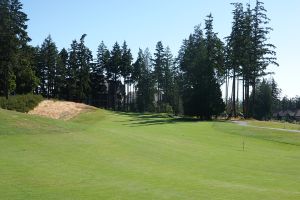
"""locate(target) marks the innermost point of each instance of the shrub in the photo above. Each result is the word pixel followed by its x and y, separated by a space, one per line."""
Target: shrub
pixel 164 108
pixel 20 103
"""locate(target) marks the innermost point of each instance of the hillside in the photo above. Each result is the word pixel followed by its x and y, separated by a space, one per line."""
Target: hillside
pixel 108 155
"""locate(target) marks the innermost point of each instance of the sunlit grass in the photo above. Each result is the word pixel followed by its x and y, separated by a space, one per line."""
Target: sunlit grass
pixel 107 155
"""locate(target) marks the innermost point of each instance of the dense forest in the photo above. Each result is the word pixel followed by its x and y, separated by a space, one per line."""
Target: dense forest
pixel 186 84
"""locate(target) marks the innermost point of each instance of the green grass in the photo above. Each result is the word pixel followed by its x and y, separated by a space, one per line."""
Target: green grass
pixel 274 124
pixel 106 155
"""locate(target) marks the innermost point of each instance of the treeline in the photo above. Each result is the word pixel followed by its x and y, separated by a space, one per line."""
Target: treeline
pixel 187 84
pixel 289 104
pixel 248 54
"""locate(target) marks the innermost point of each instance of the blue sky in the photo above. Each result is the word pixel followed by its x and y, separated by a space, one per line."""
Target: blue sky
pixel 142 23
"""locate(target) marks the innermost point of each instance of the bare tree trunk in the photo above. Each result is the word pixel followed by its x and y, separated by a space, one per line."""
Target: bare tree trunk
pixel 124 95
pixel 233 94
pixel 253 97
pixel 244 96
pixel 247 98
pixel 237 90
pixel 127 96
pixel 226 87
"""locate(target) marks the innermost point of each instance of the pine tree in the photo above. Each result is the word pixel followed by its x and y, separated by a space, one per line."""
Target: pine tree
pixel 263 98
pixel 159 62
pixel 13 37
pixel 168 86
pixel 247 58
pixel 145 81
pixel 26 79
pixel 47 67
pixel 126 68
pixel 85 59
pixel 60 88
pixel 72 72
pixel 264 53
pixel 98 78
pixel 113 72
pixel 202 95
pixel 235 49
pixel 215 50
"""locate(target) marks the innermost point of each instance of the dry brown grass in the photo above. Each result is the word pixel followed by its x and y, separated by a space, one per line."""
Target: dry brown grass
pixel 60 109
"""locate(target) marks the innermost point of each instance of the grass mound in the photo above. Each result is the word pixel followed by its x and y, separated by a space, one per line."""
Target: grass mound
pixel 20 103
pixel 60 109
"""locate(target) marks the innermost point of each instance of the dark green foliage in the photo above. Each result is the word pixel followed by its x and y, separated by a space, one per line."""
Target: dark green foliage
pixel 288 104
pixel 126 70
pixel 159 63
pixel 72 72
pixel 249 52
pixel 266 100
pixel 60 86
pixel 215 50
pixel 13 39
pixel 20 103
pixel 168 83
pixel 98 87
pixel 263 100
pixel 145 82
pixel 26 79
pixel 202 95
pixel 85 59
pixel 46 67
pixel 235 50
pixel 113 72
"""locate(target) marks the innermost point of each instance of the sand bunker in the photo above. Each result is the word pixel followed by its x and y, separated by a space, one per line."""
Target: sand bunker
pixel 60 109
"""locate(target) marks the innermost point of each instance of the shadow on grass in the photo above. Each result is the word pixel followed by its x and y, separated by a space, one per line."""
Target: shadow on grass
pixel 147 119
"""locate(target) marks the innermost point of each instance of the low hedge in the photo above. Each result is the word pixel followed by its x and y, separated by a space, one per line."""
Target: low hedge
pixel 20 103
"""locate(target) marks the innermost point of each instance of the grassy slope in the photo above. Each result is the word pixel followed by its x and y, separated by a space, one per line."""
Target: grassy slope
pixel 275 124
pixel 105 155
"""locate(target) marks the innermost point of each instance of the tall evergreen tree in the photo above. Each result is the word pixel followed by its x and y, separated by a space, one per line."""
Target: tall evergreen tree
pixel 263 52
pixel 159 62
pixel 26 79
pixel 60 88
pixel 98 78
pixel 72 72
pixel 126 69
pixel 145 81
pixel 85 59
pixel 247 58
pixel 202 95
pixel 47 67
pixel 113 72
pixel 215 50
pixel 13 37
pixel 235 49
pixel 168 85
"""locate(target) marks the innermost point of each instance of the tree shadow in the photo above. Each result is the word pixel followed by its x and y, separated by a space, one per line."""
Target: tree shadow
pixel 148 119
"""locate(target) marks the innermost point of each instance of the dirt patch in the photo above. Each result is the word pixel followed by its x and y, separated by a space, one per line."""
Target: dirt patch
pixel 60 109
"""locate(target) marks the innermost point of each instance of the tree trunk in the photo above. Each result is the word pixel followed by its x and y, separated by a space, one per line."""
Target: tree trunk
pixel 247 99
pixel 226 89
pixel 233 111
pixel 253 97
pixel 237 90
pixel 243 96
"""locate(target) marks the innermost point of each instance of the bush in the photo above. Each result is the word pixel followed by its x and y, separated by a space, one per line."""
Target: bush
pixel 164 108
pixel 20 103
